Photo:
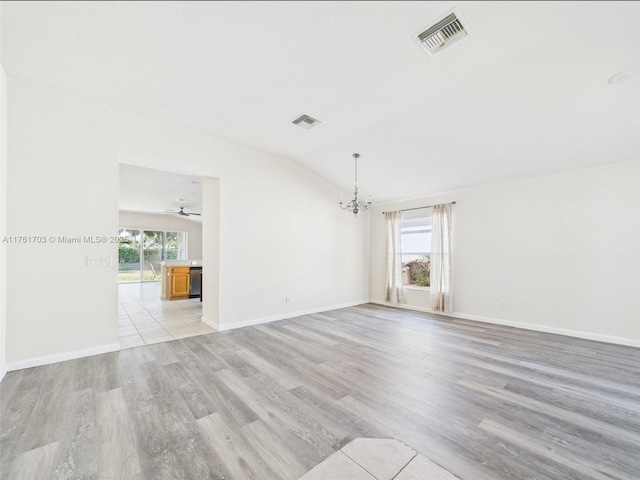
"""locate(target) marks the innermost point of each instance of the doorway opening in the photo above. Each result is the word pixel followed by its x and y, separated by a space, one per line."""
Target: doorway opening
pixel 156 239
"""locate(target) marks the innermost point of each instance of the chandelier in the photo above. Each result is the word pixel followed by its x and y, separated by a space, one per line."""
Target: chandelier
pixel 354 206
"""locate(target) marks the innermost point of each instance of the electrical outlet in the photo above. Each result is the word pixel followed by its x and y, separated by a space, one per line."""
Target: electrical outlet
pixel 287 299
pixel 503 303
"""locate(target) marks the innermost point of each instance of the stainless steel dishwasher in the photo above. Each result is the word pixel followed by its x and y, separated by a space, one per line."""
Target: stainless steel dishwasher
pixel 196 281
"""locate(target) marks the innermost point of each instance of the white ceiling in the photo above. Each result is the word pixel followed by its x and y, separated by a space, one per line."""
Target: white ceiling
pixel 524 94
pixel 154 191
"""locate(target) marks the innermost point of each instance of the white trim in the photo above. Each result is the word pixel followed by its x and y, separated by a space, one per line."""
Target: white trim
pixel 416 287
pixel 598 337
pixel 61 357
pixel 275 318
pixel 210 323
pixel 629 342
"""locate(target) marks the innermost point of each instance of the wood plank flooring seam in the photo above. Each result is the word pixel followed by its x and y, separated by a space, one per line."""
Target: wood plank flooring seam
pixel 271 401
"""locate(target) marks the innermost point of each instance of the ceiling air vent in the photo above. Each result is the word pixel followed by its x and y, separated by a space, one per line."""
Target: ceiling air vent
pixel 442 34
pixel 306 122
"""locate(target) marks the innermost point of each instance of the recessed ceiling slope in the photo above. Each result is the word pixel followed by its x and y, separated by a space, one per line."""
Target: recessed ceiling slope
pixel 523 95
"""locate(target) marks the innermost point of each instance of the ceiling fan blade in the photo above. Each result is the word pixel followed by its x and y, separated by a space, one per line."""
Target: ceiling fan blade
pixel 181 212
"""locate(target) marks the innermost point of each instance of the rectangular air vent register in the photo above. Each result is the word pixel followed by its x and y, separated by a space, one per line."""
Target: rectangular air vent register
pixel 305 121
pixel 442 34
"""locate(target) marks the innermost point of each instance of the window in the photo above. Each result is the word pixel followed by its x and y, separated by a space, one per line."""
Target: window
pixel 415 242
pixel 141 251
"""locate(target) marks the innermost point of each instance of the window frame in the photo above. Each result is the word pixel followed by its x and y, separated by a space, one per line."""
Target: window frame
pixel 405 223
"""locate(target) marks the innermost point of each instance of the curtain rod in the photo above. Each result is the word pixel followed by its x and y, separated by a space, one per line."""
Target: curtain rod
pixel 419 208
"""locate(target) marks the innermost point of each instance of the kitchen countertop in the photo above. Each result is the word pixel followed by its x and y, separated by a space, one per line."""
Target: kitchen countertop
pixel 182 263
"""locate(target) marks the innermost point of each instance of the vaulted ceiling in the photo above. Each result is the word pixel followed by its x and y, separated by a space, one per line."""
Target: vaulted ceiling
pixel 524 94
pixel 154 191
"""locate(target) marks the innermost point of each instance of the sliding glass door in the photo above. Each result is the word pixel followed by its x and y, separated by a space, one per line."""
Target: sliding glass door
pixel 175 245
pixel 153 254
pixel 129 255
pixel 140 253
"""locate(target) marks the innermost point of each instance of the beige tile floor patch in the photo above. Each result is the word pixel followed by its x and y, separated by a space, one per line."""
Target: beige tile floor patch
pixel 144 318
pixel 383 459
pixel 377 459
pixel 421 468
pixel 337 466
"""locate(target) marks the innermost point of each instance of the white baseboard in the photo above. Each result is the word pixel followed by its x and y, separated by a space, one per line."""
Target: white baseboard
pixel 61 357
pixel 35 362
pixel 210 323
pixel 598 337
pixel 629 342
pixel 275 318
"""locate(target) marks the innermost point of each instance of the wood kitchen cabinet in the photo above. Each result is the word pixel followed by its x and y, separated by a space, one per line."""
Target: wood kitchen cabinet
pixel 180 282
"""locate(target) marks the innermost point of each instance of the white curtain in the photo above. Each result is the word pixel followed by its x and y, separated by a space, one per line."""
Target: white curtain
pixel 441 274
pixel 393 267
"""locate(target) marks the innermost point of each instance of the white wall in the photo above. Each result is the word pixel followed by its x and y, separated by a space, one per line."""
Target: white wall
pixel 167 222
pixel 3 223
pixel 211 258
pixel 562 251
pixel 62 181
pixel 280 230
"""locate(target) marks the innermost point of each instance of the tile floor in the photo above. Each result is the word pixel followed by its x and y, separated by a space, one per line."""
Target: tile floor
pixel 145 318
pixel 377 459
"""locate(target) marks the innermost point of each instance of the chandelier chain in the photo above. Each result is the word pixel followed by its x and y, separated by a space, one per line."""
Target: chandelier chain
pixel 354 206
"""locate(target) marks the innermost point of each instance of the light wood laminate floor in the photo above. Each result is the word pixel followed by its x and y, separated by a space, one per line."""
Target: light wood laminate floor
pixel 270 402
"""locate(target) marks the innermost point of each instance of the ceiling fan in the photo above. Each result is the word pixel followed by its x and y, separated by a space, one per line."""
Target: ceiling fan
pixel 182 212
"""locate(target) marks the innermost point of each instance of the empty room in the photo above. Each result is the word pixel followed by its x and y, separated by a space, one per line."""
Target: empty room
pixel 319 240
